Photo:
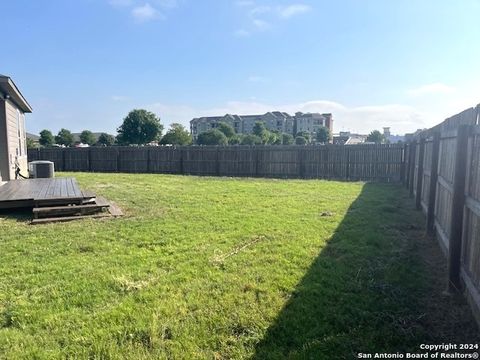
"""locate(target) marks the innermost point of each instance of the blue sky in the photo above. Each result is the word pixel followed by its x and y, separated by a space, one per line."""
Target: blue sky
pixel 83 64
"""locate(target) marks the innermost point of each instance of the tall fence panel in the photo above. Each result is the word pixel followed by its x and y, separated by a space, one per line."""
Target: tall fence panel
pixel 353 162
pixel 279 162
pixel 165 159
pixel 201 160
pixel 237 161
pixel 445 177
pixel 471 222
pixel 104 159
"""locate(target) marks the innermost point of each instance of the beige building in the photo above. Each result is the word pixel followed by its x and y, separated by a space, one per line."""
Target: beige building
pixel 13 143
pixel 273 120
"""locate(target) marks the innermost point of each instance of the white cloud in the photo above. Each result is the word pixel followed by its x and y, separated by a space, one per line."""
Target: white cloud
pixel 292 10
pixel 261 25
pixel 145 13
pixel 257 79
pixel 119 98
pixel 431 89
pixel 263 17
pixel 260 10
pixel 241 33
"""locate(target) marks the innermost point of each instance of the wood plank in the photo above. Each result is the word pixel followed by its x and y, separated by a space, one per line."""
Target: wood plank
pixel 458 202
pixel 68 218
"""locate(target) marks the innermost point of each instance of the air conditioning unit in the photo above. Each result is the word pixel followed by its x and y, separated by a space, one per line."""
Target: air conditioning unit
pixel 41 169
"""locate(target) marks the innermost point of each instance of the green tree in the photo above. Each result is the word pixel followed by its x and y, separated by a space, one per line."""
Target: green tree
pixel 235 140
pixel 261 131
pixel 31 144
pixel 212 137
pixel 46 138
pixel 287 139
pixel 273 139
pixel 64 137
pixel 106 139
pixel 323 135
pixel 139 127
pixel 227 129
pixel 176 135
pixel 300 140
pixel 305 135
pixel 87 137
pixel 376 137
pixel 251 139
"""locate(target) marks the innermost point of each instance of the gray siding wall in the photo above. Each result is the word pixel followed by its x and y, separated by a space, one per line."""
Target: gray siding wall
pixel 15 140
pixel 3 144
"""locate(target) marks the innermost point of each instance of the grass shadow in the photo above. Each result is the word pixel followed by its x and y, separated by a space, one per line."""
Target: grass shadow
pixel 375 287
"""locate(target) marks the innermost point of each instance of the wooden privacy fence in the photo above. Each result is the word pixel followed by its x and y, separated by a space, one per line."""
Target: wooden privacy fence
pixel 353 162
pixel 443 174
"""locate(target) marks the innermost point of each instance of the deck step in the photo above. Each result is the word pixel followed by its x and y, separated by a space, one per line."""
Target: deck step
pixel 99 205
pixel 68 218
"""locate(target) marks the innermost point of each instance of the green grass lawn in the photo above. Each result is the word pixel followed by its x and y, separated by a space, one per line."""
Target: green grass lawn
pixel 220 268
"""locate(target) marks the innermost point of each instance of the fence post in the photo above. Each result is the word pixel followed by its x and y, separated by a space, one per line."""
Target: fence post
pixel 118 159
pixel 217 162
pixel 347 170
pixel 301 162
pixel 458 203
pixel 63 158
pixel 255 150
pixel 418 197
pixel 413 154
pixel 402 165
pixel 180 149
pixel 406 163
pixel 89 160
pixel 433 182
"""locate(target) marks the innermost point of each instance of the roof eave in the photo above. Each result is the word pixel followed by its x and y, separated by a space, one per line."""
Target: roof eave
pixel 15 95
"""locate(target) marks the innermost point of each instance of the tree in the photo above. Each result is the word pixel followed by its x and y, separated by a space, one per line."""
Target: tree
pixel 287 139
pixel 235 140
pixel 31 144
pixel 273 139
pixel 64 137
pixel 323 135
pixel 176 135
pixel 139 127
pixel 87 137
pixel 304 134
pixel 227 129
pixel 376 137
pixel 251 139
pixel 46 138
pixel 212 137
pixel 300 140
pixel 261 131
pixel 106 139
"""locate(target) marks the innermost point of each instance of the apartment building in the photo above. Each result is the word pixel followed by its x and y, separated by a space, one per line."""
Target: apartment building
pixel 274 121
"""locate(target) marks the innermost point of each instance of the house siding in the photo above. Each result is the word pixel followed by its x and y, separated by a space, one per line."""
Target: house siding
pixel 16 139
pixel 4 172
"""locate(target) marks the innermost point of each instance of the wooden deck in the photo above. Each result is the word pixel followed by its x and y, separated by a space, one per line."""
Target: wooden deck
pixel 42 192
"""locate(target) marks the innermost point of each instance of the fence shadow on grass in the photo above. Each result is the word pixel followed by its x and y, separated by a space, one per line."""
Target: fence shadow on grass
pixel 370 289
